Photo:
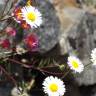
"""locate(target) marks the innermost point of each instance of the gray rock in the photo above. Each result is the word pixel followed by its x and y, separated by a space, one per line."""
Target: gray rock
pixel 71 19
pixel 85 42
pixel 49 31
pixel 2 1
pixel 79 35
pixel 89 2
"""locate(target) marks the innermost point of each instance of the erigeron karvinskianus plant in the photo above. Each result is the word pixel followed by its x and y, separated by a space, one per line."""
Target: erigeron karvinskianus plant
pixel 19 39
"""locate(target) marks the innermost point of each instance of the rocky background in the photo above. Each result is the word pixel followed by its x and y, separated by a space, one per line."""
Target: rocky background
pixel 78 31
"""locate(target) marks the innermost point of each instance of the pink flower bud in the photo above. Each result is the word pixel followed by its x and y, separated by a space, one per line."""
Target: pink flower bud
pixel 10 31
pixel 5 43
pixel 31 42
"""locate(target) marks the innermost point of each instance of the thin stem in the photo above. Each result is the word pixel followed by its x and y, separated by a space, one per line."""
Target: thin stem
pixel 39 69
pixel 66 74
pixel 23 64
pixel 87 65
pixel 9 10
pixel 31 84
pixel 52 73
pixel 5 18
pixel 1 31
pixel 8 75
pixel 4 9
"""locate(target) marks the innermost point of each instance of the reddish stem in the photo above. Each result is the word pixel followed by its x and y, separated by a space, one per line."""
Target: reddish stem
pixel 8 75
pixel 39 69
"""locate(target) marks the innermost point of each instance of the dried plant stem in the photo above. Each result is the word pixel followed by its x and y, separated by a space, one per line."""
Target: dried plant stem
pixel 9 10
pixel 87 65
pixel 32 67
pixel 8 75
pixel 4 9
pixel 31 84
pixel 5 27
pixel 52 73
pixel 65 74
pixel 5 18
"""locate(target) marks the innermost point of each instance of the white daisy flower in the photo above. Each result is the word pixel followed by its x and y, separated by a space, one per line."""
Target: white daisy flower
pixel 53 86
pixel 93 56
pixel 75 64
pixel 32 16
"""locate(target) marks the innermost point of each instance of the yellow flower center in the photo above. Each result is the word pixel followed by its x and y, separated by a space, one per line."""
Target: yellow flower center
pixel 75 64
pixel 31 16
pixel 53 87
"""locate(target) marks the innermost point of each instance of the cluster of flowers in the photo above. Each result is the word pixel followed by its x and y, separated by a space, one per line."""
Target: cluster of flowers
pixel 28 17
pixel 53 86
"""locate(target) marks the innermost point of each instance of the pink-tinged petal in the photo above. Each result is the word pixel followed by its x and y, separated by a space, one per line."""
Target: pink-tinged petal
pixel 17 14
pixel 5 44
pixel 31 41
pixel 10 31
pixel 24 25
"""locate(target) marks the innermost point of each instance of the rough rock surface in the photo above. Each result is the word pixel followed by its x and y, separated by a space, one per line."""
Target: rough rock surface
pixel 78 30
pixel 85 42
pixel 49 31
